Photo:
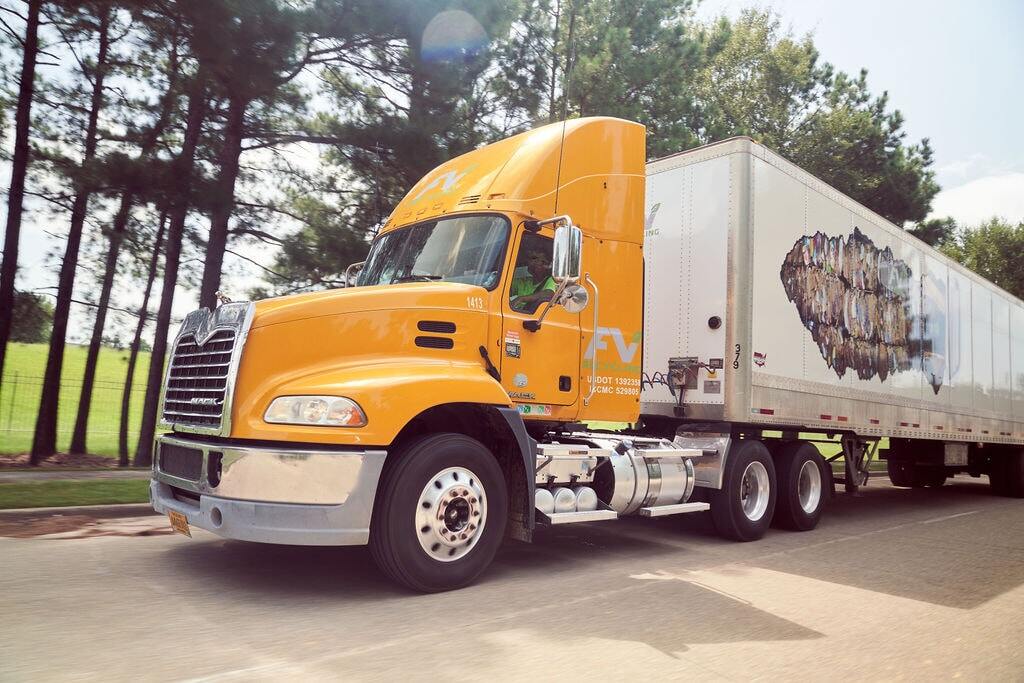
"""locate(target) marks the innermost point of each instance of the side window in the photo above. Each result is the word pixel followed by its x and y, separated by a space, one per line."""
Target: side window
pixel 532 283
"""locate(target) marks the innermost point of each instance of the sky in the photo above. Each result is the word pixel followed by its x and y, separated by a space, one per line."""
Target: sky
pixel 953 68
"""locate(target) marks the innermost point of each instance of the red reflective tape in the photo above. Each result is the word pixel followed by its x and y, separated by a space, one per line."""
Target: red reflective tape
pixel 825 417
pixel 904 424
pixel 763 411
pixel 916 424
pixel 984 431
pixel 939 427
pixel 874 421
pixel 843 418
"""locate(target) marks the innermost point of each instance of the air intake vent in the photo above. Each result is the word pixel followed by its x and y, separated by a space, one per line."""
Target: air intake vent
pixel 469 199
pixel 440 326
pixel 435 342
pixel 181 462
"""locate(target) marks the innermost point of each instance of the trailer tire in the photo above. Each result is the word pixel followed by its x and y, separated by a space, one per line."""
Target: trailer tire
pixel 901 472
pixel 426 505
pixel 802 479
pixel 1007 474
pixel 932 477
pixel 742 509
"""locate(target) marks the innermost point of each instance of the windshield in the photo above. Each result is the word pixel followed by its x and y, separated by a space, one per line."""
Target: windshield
pixel 467 249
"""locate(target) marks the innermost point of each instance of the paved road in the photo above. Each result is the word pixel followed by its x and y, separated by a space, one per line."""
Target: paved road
pixel 894 584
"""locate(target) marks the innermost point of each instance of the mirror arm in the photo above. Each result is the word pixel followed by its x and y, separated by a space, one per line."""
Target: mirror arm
pixel 534 226
pixel 593 361
pixel 534 325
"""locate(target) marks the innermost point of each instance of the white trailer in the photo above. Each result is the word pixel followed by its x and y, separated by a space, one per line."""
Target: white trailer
pixel 774 302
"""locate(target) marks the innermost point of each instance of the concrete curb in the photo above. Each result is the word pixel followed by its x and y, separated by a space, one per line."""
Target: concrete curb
pixel 103 511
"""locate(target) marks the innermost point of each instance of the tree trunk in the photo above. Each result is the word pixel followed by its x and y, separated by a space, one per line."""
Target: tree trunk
pixel 109 273
pixel 117 233
pixel 178 212
pixel 19 167
pixel 133 354
pixel 223 201
pixel 44 442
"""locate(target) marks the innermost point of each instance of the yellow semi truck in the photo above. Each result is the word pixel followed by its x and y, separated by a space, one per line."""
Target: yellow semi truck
pixel 555 279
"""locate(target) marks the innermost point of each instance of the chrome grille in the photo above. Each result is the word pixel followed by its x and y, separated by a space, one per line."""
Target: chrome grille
pixel 200 376
pixel 197 379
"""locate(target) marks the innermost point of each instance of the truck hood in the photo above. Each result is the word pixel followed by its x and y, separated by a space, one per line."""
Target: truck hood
pixel 425 295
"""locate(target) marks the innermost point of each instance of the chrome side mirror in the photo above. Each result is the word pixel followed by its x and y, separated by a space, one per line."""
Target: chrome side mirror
pixel 352 274
pixel 574 298
pixel 567 254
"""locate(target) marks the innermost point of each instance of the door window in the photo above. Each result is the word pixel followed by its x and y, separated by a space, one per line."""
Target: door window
pixel 532 283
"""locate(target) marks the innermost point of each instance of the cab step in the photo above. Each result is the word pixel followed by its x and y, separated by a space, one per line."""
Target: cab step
pixel 678 509
pixel 574 517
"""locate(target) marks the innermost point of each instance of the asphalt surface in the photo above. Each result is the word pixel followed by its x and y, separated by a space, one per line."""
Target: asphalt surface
pixel 894 584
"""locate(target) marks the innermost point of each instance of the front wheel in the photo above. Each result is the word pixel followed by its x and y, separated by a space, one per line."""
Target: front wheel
pixel 440 513
pixel 802 486
pixel 743 508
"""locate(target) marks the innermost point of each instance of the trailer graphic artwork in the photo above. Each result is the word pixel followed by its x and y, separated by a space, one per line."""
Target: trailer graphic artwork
pixel 855 300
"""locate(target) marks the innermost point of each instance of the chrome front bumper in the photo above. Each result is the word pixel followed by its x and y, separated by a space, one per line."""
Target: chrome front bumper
pixel 288 495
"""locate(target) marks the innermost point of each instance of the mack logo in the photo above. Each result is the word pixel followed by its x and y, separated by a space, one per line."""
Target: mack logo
pixel 599 343
pixel 203 401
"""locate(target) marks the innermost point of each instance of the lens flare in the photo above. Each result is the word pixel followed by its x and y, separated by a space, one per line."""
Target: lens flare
pixel 452 36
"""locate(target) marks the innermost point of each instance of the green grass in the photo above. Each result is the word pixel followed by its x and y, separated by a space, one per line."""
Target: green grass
pixel 62 493
pixel 22 385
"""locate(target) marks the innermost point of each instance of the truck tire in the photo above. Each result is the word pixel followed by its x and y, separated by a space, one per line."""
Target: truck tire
pixel 1007 474
pixel 908 474
pixel 932 477
pixel 742 509
pixel 440 513
pixel 802 480
pixel 901 472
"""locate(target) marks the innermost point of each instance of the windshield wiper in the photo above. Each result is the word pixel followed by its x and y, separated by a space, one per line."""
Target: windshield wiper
pixel 417 278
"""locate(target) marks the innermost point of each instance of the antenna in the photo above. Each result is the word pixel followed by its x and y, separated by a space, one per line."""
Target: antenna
pixel 569 63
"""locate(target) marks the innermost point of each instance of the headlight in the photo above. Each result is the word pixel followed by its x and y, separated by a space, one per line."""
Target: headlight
pixel 329 411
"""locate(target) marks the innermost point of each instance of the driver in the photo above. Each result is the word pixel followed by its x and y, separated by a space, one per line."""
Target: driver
pixel 537 285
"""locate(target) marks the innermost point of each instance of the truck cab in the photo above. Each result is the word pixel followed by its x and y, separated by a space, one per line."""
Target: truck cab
pixel 500 303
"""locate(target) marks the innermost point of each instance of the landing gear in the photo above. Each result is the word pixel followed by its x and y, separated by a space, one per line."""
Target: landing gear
pixel 743 508
pixel 440 513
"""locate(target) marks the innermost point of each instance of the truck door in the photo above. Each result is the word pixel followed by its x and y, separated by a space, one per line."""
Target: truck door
pixel 541 367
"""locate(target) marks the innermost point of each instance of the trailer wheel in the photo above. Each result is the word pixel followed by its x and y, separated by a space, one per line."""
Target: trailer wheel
pixel 440 513
pixel 901 472
pixel 933 477
pixel 802 480
pixel 1007 474
pixel 908 474
pixel 742 509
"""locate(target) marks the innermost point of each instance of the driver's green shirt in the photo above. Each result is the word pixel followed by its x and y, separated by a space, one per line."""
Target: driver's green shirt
pixel 524 286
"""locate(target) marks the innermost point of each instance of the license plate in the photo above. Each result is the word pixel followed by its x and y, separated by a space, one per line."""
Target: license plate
pixel 179 523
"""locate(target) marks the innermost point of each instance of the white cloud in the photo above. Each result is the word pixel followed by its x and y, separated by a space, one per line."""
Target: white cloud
pixel 979 200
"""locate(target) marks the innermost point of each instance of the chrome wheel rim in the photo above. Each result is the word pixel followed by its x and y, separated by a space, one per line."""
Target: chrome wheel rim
pixel 808 486
pixel 450 514
pixel 754 491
